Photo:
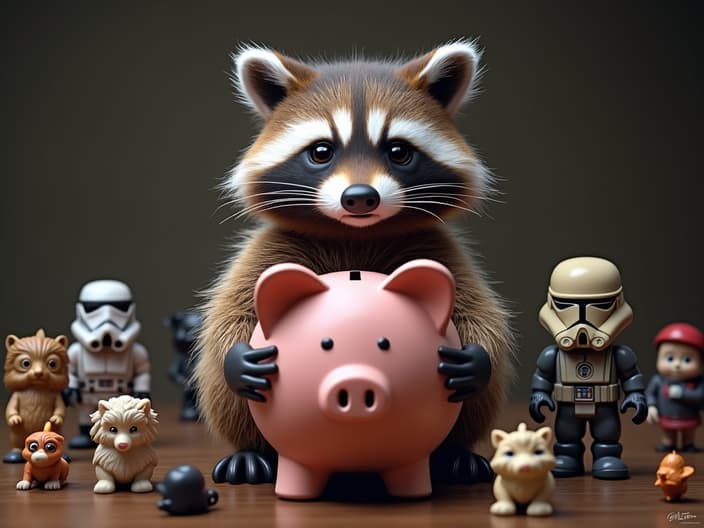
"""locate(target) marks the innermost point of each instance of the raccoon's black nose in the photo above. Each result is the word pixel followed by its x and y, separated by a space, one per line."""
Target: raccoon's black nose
pixel 360 199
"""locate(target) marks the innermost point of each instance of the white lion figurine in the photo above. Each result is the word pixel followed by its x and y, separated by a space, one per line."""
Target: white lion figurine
pixel 123 428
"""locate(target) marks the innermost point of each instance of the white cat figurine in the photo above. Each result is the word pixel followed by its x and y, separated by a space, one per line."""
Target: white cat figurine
pixel 522 464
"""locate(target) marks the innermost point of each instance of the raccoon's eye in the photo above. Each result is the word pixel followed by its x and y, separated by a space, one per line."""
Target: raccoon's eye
pixel 25 363
pixel 321 152
pixel 133 429
pixel 33 446
pixel 50 447
pixel 400 153
pixel 508 454
pixel 52 364
pixel 113 429
pixel 539 452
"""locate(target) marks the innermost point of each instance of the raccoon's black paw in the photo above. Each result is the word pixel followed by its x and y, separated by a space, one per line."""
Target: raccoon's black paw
pixel 459 466
pixel 244 467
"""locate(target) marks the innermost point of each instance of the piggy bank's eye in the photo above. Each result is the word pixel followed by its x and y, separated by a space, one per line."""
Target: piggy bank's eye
pixel 33 446
pixel 327 343
pixel 383 343
pixel 113 429
pixel 538 452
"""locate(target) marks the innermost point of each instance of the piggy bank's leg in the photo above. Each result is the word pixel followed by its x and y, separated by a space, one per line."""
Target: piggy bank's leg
pixel 295 481
pixel 245 467
pixel 412 480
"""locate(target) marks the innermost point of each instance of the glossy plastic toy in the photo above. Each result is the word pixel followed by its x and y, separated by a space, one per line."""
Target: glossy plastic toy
pixel 124 428
pixel 357 383
pixel 184 492
pixel 522 464
pixel 585 372
pixel 676 393
pixel 672 476
pixel 106 360
pixel 36 373
pixel 45 466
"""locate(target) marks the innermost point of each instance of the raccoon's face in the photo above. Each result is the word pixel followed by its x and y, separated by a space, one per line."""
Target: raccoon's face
pixel 358 144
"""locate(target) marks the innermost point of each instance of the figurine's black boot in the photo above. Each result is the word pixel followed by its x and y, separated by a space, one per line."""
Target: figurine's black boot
pixel 83 439
pixel 607 463
pixel 14 457
pixel 570 460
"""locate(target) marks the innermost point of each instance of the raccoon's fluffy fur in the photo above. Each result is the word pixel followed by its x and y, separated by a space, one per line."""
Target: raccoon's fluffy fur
pixel 370 114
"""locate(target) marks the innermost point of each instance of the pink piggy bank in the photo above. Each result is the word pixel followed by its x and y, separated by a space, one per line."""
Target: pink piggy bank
pixel 354 382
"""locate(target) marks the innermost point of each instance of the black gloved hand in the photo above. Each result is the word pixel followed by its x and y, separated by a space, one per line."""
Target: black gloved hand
pixel 244 374
pixel 637 401
pixel 468 370
pixel 537 400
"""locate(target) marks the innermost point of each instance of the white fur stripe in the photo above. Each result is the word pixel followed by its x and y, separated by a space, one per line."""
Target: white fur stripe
pixel 343 124
pixel 331 195
pixel 376 119
pixel 438 147
pixel 294 138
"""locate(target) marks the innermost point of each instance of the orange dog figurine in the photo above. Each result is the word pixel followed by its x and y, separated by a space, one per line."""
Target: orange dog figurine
pixel 672 476
pixel 43 451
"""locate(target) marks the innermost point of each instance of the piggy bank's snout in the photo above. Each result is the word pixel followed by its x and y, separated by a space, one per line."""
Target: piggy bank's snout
pixel 354 392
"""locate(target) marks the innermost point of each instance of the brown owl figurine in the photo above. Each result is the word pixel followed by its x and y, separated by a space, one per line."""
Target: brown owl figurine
pixel 36 373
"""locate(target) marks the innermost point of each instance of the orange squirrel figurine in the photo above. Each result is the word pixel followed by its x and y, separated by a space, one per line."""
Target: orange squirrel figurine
pixel 45 466
pixel 672 476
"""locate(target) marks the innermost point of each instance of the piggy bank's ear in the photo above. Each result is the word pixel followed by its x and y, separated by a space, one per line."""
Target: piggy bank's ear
pixel 279 288
pixel 430 284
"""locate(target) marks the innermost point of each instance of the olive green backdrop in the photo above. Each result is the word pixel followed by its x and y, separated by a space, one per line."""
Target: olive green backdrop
pixel 118 122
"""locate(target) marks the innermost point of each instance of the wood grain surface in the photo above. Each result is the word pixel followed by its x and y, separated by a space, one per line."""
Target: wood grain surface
pixel 579 502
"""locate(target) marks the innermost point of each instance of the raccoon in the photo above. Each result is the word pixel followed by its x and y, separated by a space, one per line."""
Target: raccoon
pixel 358 165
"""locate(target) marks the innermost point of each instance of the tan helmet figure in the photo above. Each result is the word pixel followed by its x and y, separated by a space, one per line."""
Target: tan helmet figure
pixel 585 306
pixel 584 374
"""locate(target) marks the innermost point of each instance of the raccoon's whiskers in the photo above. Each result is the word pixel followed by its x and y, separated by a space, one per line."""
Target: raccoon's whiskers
pixel 405 206
pixel 446 204
pixel 272 204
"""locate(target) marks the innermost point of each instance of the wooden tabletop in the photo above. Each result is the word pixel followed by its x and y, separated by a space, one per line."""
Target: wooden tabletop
pixel 579 502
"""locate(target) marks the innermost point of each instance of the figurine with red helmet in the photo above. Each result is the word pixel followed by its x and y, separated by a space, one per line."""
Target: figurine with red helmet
pixel 676 393
pixel 584 373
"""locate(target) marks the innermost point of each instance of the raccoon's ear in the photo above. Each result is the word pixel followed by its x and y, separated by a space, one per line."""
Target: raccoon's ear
pixel 497 436
pixel 430 284
pixel 448 73
pixel 62 340
pixel 264 78
pixel 279 288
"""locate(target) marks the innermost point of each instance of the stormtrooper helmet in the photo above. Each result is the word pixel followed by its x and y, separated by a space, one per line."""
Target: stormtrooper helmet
pixel 585 307
pixel 105 316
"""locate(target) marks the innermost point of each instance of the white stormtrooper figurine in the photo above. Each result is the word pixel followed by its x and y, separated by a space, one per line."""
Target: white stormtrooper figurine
pixel 106 360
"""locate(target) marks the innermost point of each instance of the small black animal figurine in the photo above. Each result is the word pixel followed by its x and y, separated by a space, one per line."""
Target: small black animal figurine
pixel 185 326
pixel 184 492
